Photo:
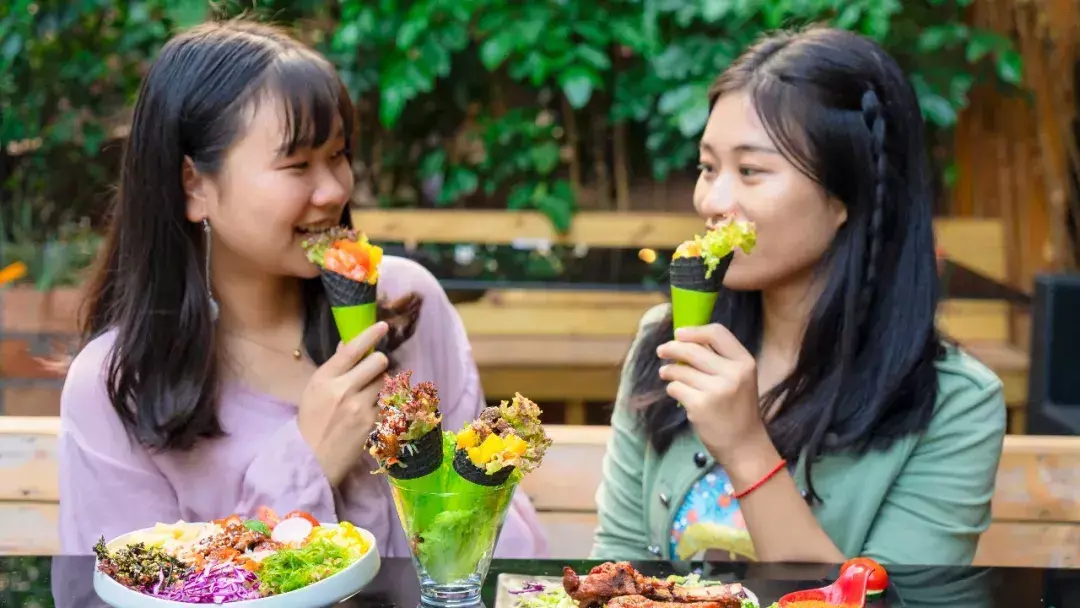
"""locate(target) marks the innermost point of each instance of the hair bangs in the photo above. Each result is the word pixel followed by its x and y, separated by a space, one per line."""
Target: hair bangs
pixel 809 131
pixel 782 111
pixel 315 103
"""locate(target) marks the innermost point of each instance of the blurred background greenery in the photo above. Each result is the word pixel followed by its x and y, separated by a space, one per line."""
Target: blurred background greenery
pixel 24 581
pixel 553 105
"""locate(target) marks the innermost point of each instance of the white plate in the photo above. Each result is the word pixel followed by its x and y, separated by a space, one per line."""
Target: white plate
pixel 326 592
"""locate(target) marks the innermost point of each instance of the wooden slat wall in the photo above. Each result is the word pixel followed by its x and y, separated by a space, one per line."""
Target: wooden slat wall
pixel 594 228
pixel 975 242
pixel 1013 153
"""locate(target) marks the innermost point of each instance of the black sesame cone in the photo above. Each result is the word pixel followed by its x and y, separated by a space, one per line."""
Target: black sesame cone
pixel 343 291
pixel 418 458
pixel 475 474
pixel 689 273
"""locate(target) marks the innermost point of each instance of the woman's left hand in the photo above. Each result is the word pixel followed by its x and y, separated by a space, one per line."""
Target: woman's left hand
pixel 717 384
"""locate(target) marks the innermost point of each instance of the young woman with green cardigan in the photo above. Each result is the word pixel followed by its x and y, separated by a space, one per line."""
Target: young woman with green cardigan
pixel 820 415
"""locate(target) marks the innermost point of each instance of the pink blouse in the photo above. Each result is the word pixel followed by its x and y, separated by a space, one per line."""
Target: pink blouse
pixel 109 484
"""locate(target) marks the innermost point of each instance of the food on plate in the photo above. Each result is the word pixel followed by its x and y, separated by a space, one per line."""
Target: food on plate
pixel 232 558
pixel 349 267
pixel 171 536
pixel 502 439
pixel 639 601
pixel 345 535
pixel 407 441
pixel 218 582
pixel 615 584
pixel 619 584
pixel 295 568
pixel 139 564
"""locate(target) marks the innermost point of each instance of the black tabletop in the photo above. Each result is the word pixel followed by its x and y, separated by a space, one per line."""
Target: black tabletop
pixel 465 268
pixel 43 582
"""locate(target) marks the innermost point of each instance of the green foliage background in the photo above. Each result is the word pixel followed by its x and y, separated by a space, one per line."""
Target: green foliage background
pixel 483 103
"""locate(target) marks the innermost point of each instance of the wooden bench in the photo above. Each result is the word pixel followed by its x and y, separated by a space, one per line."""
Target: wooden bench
pixel 555 346
pixel 568 346
pixel 1036 507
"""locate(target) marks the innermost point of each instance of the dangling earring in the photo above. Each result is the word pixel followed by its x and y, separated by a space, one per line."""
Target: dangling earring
pixel 209 292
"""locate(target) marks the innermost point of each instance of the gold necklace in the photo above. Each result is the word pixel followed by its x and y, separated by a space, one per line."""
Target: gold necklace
pixel 296 353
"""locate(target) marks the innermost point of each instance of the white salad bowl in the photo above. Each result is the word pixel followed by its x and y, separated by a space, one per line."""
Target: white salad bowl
pixel 326 592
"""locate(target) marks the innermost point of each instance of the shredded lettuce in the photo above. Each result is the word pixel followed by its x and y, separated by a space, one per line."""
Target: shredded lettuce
pixel 552 598
pixel 291 569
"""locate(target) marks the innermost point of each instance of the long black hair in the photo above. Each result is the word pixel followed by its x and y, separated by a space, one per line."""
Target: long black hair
pixel 149 286
pixel 840 110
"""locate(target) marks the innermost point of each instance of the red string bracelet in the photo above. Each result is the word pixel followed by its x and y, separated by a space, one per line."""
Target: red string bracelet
pixel 760 482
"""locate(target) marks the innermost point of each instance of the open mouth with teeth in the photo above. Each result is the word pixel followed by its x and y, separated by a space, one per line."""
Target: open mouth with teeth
pixel 719 220
pixel 315 229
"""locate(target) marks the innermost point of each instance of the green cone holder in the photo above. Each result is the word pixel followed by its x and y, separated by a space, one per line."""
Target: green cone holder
pixel 693 296
pixel 452 523
pixel 352 303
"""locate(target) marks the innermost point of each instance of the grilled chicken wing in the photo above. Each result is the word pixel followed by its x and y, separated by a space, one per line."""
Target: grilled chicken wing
pixel 619 585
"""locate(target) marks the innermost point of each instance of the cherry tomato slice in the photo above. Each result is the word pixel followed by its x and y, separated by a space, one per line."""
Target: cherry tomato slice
pixel 879 579
pixel 268 516
pixel 304 515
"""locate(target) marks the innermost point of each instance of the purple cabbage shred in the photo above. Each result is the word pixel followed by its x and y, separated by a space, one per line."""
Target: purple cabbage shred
pixel 528 587
pixel 218 583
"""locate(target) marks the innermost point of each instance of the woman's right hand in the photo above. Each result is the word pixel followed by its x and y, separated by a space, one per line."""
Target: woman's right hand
pixel 339 404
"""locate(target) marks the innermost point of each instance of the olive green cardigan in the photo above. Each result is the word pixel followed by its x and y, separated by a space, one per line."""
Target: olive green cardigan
pixel 925 500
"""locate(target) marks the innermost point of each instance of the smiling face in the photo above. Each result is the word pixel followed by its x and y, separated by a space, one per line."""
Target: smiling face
pixel 265 198
pixel 744 176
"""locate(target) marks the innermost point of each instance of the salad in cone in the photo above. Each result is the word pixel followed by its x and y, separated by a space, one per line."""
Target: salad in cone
pixel 453 515
pixel 407 440
pixel 717 244
pixel 349 267
pixel 503 439
pixel 698 267
pixel 231 559
pixel 345 252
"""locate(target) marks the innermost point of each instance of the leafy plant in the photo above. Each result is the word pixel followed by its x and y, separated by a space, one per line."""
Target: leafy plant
pixel 551 105
pixel 53 260
pixel 637 64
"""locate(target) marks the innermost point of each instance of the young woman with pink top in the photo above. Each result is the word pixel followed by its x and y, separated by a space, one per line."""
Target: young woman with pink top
pixel 213 380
